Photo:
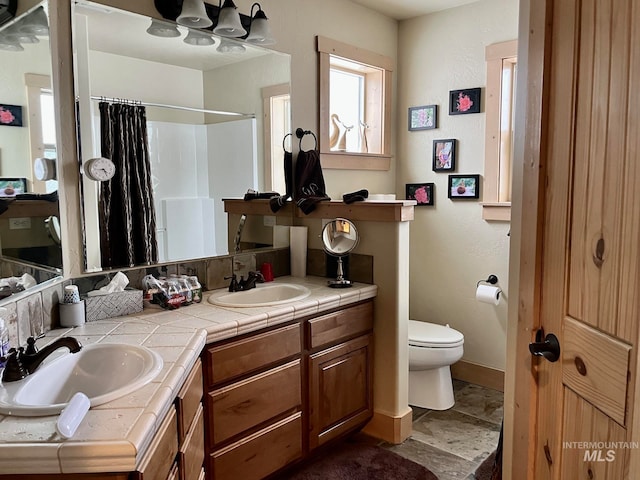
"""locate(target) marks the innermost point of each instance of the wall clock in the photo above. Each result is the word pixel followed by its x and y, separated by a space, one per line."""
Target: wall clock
pixel 100 169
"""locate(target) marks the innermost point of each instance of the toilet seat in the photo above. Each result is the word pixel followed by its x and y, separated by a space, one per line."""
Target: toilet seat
pixel 431 335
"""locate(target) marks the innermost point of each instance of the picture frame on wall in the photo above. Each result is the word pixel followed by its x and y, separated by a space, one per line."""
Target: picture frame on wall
pixel 10 187
pixel 466 101
pixel 444 155
pixel 10 115
pixel 422 193
pixel 424 117
pixel 464 186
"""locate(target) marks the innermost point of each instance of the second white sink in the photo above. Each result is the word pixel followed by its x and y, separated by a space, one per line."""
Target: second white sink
pixel 261 296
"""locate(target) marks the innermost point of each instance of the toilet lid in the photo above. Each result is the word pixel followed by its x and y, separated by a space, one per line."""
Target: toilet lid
pixel 424 334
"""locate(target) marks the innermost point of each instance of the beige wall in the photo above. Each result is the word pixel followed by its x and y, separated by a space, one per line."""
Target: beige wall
pixel 451 246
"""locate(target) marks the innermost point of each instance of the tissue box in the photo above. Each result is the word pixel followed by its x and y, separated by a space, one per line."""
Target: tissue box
pixel 115 304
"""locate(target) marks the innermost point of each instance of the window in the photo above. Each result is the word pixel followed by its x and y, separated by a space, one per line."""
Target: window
pixel 355 107
pixel 277 114
pixel 500 104
pixel 42 127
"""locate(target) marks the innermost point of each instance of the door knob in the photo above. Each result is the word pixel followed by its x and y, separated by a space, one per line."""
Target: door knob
pixel 547 347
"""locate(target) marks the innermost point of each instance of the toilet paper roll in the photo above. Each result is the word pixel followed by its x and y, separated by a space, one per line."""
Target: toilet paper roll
pixel 298 251
pixel 488 294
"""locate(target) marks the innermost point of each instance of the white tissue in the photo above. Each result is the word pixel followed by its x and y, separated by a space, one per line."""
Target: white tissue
pixel 488 294
pixel 117 284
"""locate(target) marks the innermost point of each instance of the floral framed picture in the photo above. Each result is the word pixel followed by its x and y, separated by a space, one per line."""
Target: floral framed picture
pixel 464 101
pixel 11 115
pixel 464 186
pixel 444 155
pixel 422 193
pixel 423 118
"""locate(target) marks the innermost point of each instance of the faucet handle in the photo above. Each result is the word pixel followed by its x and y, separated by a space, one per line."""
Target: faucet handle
pixel 258 276
pixel 31 346
pixel 233 285
pixel 14 370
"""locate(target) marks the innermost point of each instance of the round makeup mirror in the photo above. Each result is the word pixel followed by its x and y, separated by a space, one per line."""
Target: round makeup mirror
pixel 339 237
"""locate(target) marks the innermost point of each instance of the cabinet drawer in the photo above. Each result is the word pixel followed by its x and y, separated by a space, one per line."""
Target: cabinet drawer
pixel 157 462
pixel 260 454
pixel 188 400
pixel 248 403
pixel 192 451
pixel 336 326
pixel 229 361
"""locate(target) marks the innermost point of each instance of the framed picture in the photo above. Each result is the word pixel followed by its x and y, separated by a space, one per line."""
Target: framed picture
pixel 11 115
pixel 464 186
pixel 423 118
pixel 10 187
pixel 420 192
pixel 444 155
pixel 464 101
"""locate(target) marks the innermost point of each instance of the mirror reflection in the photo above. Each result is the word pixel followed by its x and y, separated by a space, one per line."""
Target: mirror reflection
pixel 204 131
pixel 28 185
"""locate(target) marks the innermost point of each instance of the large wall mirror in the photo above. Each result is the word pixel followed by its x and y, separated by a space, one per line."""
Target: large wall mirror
pixel 29 230
pixel 215 113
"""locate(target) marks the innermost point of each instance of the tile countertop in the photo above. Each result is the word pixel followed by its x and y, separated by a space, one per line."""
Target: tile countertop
pixel 114 436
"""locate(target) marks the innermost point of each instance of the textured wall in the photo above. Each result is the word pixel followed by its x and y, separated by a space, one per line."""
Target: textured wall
pixel 451 246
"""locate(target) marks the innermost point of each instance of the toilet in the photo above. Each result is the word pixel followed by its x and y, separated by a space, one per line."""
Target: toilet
pixel 432 349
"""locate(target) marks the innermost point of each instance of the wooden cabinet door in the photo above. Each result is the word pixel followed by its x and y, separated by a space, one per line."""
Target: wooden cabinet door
pixel 340 389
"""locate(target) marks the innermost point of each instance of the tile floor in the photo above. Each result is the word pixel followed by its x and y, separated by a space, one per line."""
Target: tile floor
pixel 453 443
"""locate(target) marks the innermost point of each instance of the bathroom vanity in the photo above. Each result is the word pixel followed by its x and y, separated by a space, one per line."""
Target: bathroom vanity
pixel 244 393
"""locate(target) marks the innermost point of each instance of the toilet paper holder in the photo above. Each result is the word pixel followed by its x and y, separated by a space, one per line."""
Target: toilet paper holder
pixel 491 279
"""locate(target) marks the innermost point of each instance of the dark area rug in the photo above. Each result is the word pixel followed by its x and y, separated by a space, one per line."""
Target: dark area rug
pixel 356 461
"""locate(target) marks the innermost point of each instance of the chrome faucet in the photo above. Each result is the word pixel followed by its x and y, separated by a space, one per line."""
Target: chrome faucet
pixel 21 362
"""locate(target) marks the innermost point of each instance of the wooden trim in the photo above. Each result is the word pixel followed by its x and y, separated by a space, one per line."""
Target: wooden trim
pixel 334 47
pixel 501 50
pixel 354 161
pixel 267 94
pixel 478 374
pixel 395 211
pixel 497 211
pixel 255 207
pixel 525 255
pixel 389 428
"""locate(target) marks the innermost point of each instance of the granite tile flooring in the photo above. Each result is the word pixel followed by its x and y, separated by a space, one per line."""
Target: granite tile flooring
pixel 453 443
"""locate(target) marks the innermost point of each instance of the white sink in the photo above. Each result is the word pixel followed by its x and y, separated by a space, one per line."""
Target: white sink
pixel 261 296
pixel 102 371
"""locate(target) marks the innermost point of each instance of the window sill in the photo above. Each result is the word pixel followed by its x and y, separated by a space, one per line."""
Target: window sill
pixel 500 211
pixel 355 161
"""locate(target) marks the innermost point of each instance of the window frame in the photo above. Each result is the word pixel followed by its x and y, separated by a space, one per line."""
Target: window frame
pixel 495 55
pixel 327 47
pixel 34 84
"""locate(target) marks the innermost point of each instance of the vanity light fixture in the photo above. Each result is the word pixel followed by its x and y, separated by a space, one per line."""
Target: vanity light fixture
pixel 229 24
pixel 158 28
pixel 259 30
pixel 194 14
pixel 194 37
pixel 225 18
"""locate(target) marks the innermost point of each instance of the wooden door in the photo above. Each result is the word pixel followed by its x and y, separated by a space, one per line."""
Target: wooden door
pixel 585 257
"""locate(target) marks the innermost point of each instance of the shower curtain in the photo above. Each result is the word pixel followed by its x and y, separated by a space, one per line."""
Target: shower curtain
pixel 126 208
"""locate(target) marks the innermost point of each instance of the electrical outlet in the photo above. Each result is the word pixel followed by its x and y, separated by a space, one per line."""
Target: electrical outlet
pixel 269 220
pixel 23 223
